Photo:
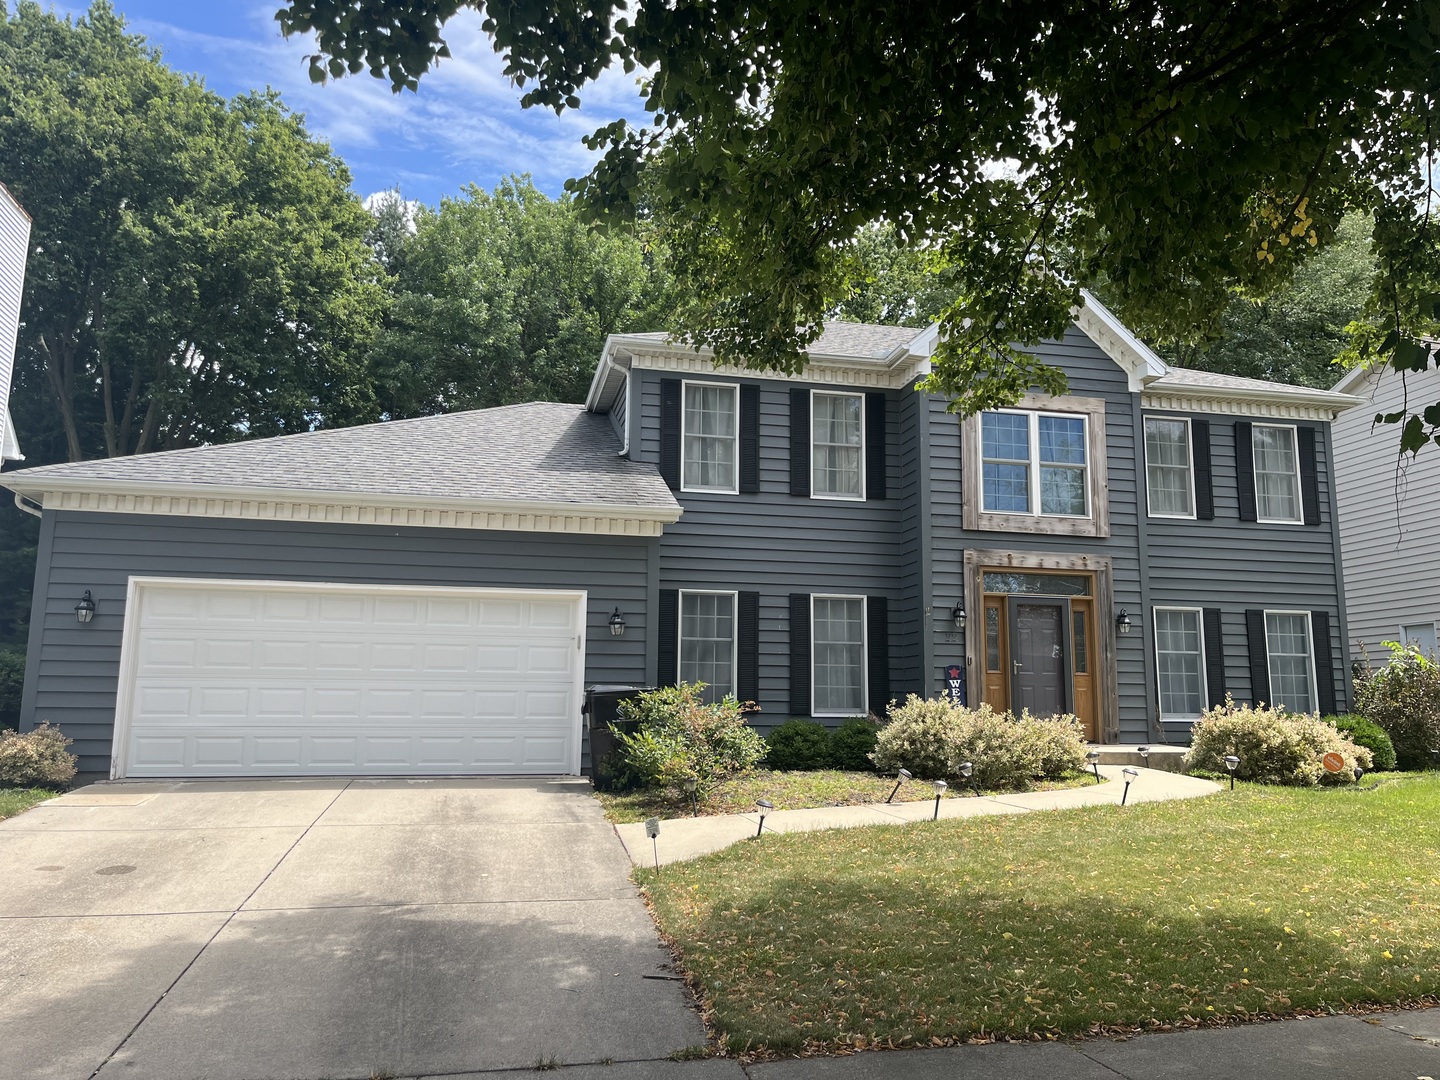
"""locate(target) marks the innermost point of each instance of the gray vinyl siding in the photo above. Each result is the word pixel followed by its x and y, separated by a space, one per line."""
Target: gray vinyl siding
pixel 1091 374
pixel 1235 565
pixel 909 644
pixel 775 543
pixel 1389 503
pixel 74 669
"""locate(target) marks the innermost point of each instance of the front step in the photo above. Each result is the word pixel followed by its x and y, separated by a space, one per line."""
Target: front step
pixel 1166 758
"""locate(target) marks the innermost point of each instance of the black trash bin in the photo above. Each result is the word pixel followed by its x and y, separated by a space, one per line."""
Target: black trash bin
pixel 601 709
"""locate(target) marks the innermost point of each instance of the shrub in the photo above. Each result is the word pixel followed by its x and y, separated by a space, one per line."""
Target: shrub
pixel 1404 699
pixel 932 738
pixel 36 759
pixel 680 736
pixel 12 682
pixel 799 745
pixel 1366 733
pixel 851 745
pixel 1274 746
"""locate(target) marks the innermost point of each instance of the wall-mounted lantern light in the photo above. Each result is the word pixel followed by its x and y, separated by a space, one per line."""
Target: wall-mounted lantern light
pixel 85 609
pixel 1122 621
pixel 958 614
pixel 617 623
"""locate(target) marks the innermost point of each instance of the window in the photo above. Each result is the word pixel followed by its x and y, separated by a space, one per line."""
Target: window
pixel 1170 485
pixel 1420 635
pixel 838 639
pixel 1277 475
pixel 1180 663
pixel 837 446
pixel 711 420
pixel 1292 663
pixel 707 642
pixel 1034 463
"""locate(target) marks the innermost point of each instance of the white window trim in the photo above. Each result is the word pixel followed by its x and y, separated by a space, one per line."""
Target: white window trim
pixel 864 654
pixel 1255 477
pixel 734 389
pixel 826 495
pixel 1400 631
pixel 1310 646
pixel 734 632
pixel 1189 465
pixel 1204 673
pixel 1034 416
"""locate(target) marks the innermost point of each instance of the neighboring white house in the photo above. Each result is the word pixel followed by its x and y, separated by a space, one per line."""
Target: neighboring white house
pixel 14 248
pixel 1389 507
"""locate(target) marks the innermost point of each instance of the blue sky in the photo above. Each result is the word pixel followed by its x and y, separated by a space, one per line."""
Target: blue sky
pixel 465 124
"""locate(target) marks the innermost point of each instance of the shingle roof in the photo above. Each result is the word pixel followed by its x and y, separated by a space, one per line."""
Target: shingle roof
pixel 857 341
pixel 1210 380
pixel 537 452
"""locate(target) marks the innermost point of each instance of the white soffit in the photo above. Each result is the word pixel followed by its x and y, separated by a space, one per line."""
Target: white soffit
pixel 14 249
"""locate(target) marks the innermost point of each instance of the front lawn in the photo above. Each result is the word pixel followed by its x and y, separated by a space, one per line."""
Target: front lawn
pixel 17 800
pixel 788 791
pixel 1266 901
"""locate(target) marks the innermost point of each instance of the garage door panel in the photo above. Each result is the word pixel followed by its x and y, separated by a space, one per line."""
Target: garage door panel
pixel 318 679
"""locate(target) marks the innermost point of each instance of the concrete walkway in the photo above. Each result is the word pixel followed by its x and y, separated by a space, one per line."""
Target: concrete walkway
pixel 688 838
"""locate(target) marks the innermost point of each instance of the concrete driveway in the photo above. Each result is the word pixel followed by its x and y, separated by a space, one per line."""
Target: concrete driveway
pixel 325 929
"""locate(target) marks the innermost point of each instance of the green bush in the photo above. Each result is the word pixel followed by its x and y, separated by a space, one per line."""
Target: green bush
pixel 932 738
pixel 1274 746
pixel 1366 733
pixel 12 682
pixel 679 737
pixel 851 745
pixel 36 759
pixel 798 746
pixel 1404 699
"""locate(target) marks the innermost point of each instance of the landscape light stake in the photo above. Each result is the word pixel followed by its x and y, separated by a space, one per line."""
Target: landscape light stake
pixel 1093 759
pixel 940 786
pixel 1232 763
pixel 765 806
pixel 1130 777
pixel 967 769
pixel 689 785
pixel 901 776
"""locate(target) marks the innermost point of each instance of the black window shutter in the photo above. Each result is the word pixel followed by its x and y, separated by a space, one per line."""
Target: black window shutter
pixel 800 654
pixel 1245 469
pixel 1309 475
pixel 670 432
pixel 875 446
pixel 749 439
pixel 667 638
pixel 747 647
pixel 1204 482
pixel 1324 662
pixel 1259 655
pixel 1214 657
pixel 877 649
pixel 800 447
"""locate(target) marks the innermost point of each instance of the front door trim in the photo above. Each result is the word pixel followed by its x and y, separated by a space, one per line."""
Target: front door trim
pixel 976 560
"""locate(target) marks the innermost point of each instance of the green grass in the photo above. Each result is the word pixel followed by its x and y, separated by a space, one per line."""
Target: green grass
pixel 17 800
pixel 788 791
pixel 1266 901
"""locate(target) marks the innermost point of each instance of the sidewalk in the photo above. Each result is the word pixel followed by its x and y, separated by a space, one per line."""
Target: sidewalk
pixel 688 838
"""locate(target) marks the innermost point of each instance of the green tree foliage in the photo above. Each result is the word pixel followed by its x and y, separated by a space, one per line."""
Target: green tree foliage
pixel 1175 150
pixel 506 296
pixel 198 270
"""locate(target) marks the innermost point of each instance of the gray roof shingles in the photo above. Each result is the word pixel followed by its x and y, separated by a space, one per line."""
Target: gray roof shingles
pixel 1178 376
pixel 536 452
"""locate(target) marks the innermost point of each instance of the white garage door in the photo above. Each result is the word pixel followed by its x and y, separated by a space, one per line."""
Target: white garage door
pixel 243 679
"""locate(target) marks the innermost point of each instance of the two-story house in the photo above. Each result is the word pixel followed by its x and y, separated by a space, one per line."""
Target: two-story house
pixel 431 595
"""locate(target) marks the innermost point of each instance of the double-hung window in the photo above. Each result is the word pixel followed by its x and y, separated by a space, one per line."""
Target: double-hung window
pixel 1277 475
pixel 837 447
pixel 1291 655
pixel 707 641
pixel 1169 477
pixel 1180 663
pixel 710 437
pixel 1035 463
pixel 837 625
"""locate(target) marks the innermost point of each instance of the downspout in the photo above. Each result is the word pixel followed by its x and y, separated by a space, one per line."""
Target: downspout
pixel 625 447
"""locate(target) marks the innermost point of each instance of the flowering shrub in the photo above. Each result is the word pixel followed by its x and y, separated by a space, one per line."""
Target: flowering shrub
pixel 1404 699
pixel 682 737
pixel 36 759
pixel 1366 733
pixel 1274 746
pixel 932 738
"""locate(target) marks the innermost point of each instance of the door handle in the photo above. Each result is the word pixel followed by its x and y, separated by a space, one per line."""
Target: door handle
pixel 1017 665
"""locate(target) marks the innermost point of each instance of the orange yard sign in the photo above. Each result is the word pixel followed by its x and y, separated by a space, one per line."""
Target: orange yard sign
pixel 1333 762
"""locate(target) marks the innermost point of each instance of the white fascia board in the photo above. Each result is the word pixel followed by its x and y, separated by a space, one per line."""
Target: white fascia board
pixel 9 442
pixel 1099 324
pixel 1352 379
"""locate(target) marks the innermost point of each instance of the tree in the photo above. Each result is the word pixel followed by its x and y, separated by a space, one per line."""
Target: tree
pixel 504 297
pixel 1174 149
pixel 198 273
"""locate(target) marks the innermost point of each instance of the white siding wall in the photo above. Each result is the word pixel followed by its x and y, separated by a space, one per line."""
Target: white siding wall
pixel 14 247
pixel 1389 505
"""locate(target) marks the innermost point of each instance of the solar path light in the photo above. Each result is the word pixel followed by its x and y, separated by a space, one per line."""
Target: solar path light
pixel 1131 775
pixel 901 775
pixel 1144 752
pixel 690 785
pixel 940 786
pixel 1232 763
pixel 967 770
pixel 1092 758
pixel 765 806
